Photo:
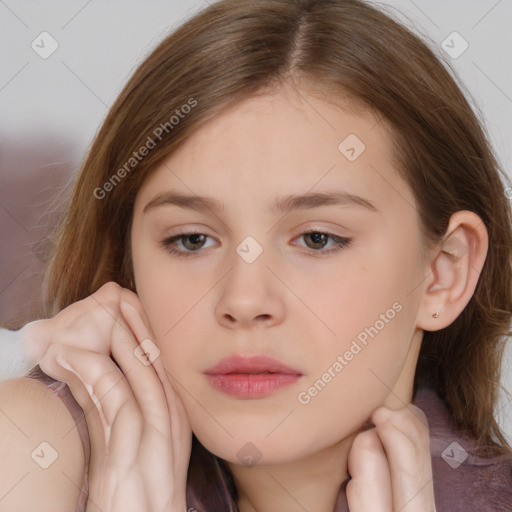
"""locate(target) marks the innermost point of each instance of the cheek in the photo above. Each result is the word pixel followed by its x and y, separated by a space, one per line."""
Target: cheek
pixel 169 306
pixel 163 290
pixel 374 321
pixel 349 301
pixel 367 356
pixel 172 315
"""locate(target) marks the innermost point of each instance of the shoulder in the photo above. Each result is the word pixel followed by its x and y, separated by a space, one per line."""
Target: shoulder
pixel 41 449
pixel 463 480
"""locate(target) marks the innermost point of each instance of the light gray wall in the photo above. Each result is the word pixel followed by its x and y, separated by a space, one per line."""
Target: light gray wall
pixel 51 108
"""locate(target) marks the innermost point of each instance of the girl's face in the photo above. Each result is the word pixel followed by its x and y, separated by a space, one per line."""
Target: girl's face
pixel 307 249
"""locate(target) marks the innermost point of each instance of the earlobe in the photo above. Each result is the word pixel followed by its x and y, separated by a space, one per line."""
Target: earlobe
pixel 455 268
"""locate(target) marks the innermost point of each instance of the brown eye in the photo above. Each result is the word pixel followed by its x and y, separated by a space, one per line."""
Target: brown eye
pixel 318 240
pixel 185 244
pixel 318 243
pixel 196 241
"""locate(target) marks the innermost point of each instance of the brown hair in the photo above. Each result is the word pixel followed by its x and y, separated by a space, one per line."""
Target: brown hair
pixel 344 48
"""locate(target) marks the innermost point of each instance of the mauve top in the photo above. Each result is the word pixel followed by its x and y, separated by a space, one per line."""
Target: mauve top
pixel 463 481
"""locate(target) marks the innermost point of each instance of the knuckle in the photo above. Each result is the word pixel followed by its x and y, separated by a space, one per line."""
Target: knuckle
pixel 111 286
pixel 381 414
pixel 106 300
pixel 130 296
pixel 110 290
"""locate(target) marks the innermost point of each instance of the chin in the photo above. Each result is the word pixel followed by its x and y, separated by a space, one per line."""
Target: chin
pixel 257 450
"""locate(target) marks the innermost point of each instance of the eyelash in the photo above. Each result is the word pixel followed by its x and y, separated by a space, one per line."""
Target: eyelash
pixel 341 243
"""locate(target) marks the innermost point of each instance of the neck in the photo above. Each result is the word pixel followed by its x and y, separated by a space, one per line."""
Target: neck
pixel 310 483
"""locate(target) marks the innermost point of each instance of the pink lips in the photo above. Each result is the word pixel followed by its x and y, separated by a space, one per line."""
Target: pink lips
pixel 251 377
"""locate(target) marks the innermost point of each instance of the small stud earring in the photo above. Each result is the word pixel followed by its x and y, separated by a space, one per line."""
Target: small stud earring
pixel 436 315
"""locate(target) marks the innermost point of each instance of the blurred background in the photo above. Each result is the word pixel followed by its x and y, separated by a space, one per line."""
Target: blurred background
pixel 64 62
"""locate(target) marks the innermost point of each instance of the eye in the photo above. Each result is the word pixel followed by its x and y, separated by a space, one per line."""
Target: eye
pixel 192 242
pixel 318 240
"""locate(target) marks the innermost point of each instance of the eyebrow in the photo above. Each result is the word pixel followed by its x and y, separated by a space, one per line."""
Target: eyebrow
pixel 283 204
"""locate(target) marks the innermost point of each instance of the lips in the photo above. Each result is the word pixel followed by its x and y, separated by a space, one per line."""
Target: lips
pixel 251 365
pixel 251 377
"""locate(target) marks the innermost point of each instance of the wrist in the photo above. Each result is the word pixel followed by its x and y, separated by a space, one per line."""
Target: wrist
pixel 33 340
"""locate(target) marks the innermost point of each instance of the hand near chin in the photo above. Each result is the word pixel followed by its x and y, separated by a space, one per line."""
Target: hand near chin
pixel 138 428
pixel 390 464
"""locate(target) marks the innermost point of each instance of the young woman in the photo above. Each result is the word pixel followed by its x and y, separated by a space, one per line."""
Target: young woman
pixel 289 229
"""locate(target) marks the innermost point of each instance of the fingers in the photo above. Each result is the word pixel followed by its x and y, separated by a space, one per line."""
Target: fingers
pixel 87 323
pixel 404 436
pixel 390 464
pixel 144 385
pixel 139 323
pixel 370 485
pixel 96 383
pixel 175 411
pixel 126 400
pixel 111 295
pixel 131 384
pixel 164 420
pixel 142 378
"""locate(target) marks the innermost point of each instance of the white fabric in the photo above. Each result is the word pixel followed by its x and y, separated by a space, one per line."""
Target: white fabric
pixel 13 360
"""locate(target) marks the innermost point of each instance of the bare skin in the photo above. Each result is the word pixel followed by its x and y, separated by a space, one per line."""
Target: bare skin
pixel 302 308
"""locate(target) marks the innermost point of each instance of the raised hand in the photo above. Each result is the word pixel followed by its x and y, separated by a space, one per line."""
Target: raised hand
pixel 140 434
pixel 390 465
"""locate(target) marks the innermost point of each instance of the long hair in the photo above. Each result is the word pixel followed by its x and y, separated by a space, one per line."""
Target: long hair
pixel 236 49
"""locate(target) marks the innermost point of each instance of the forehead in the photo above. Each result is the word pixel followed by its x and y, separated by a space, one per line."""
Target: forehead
pixel 284 142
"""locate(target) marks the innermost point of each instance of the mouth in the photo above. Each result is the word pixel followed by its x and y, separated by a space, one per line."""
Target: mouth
pixel 251 365
pixel 251 377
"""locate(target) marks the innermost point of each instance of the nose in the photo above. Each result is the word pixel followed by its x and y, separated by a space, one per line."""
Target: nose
pixel 250 296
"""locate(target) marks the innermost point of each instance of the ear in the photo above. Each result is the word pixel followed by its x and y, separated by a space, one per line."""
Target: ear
pixel 455 267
